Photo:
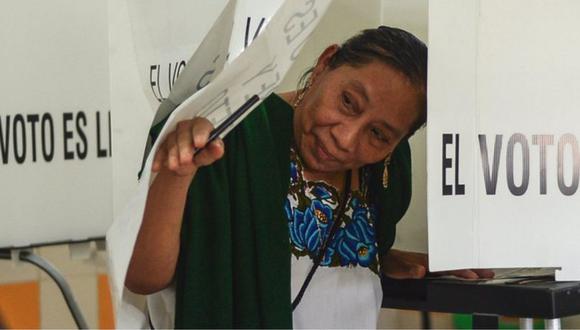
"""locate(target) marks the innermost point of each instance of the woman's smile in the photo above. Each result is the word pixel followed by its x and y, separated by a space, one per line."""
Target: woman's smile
pixel 322 152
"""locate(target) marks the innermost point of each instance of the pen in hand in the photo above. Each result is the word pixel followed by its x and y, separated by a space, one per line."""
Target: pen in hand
pixel 229 121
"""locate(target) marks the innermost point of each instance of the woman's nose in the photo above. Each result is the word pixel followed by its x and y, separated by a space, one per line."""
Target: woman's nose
pixel 346 137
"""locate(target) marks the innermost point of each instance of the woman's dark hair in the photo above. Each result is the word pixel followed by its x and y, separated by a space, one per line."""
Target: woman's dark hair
pixel 392 46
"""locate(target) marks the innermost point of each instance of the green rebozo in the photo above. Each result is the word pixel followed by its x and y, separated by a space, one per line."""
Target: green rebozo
pixel 234 260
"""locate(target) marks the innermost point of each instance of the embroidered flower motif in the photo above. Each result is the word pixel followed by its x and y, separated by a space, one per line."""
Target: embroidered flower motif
pixel 360 219
pixel 321 213
pixel 293 173
pixel 309 208
pixel 304 232
pixel 329 257
pixel 358 245
pixel 321 192
pixel 307 227
pixel 288 209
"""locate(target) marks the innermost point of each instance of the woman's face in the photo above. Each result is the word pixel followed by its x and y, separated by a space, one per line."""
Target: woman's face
pixel 353 116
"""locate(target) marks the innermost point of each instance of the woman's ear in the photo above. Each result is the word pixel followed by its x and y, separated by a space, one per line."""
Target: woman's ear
pixel 324 60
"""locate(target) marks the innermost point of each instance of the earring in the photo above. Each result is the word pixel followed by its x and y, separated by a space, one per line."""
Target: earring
pixel 301 93
pixel 386 172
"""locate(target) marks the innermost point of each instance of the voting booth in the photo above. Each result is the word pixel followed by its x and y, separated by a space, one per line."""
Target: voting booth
pixel 55 123
pixel 503 158
pixel 84 79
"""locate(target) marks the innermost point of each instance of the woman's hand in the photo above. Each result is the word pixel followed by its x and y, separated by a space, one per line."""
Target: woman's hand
pixel 176 154
pixel 153 263
pixel 399 264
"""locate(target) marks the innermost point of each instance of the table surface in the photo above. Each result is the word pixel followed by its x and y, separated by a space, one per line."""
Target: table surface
pixel 539 298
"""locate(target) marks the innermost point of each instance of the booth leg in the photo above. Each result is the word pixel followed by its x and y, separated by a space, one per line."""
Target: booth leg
pixel 425 320
pixel 552 324
pixel 526 323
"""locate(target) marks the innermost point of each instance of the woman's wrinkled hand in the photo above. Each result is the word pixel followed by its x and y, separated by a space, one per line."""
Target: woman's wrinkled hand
pixel 399 264
pixel 176 154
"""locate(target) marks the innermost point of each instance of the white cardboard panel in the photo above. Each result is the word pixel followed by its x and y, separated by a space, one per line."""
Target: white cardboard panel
pixel 524 83
pixel 452 72
pixel 56 184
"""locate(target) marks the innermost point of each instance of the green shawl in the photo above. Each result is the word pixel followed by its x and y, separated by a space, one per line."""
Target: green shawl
pixel 234 261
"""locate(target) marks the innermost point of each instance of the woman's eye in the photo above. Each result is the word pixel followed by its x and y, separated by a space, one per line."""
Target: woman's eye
pixel 347 102
pixel 378 134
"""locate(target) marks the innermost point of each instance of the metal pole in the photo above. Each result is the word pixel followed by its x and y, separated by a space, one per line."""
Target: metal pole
pixel 552 324
pixel 48 268
pixel 425 320
pixel 526 323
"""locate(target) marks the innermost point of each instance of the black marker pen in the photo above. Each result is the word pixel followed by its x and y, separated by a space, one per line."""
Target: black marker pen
pixel 229 121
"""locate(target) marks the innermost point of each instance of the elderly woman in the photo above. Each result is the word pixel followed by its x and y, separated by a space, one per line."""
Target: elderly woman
pixel 293 224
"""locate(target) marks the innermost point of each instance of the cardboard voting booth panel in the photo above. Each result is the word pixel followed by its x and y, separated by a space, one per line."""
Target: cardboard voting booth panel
pixel 503 154
pixel 75 76
pixel 55 133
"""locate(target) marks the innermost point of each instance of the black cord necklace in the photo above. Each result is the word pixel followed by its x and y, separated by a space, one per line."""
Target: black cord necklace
pixel 337 221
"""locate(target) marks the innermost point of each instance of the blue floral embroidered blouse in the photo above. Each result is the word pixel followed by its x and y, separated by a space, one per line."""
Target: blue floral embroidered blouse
pixel 310 208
